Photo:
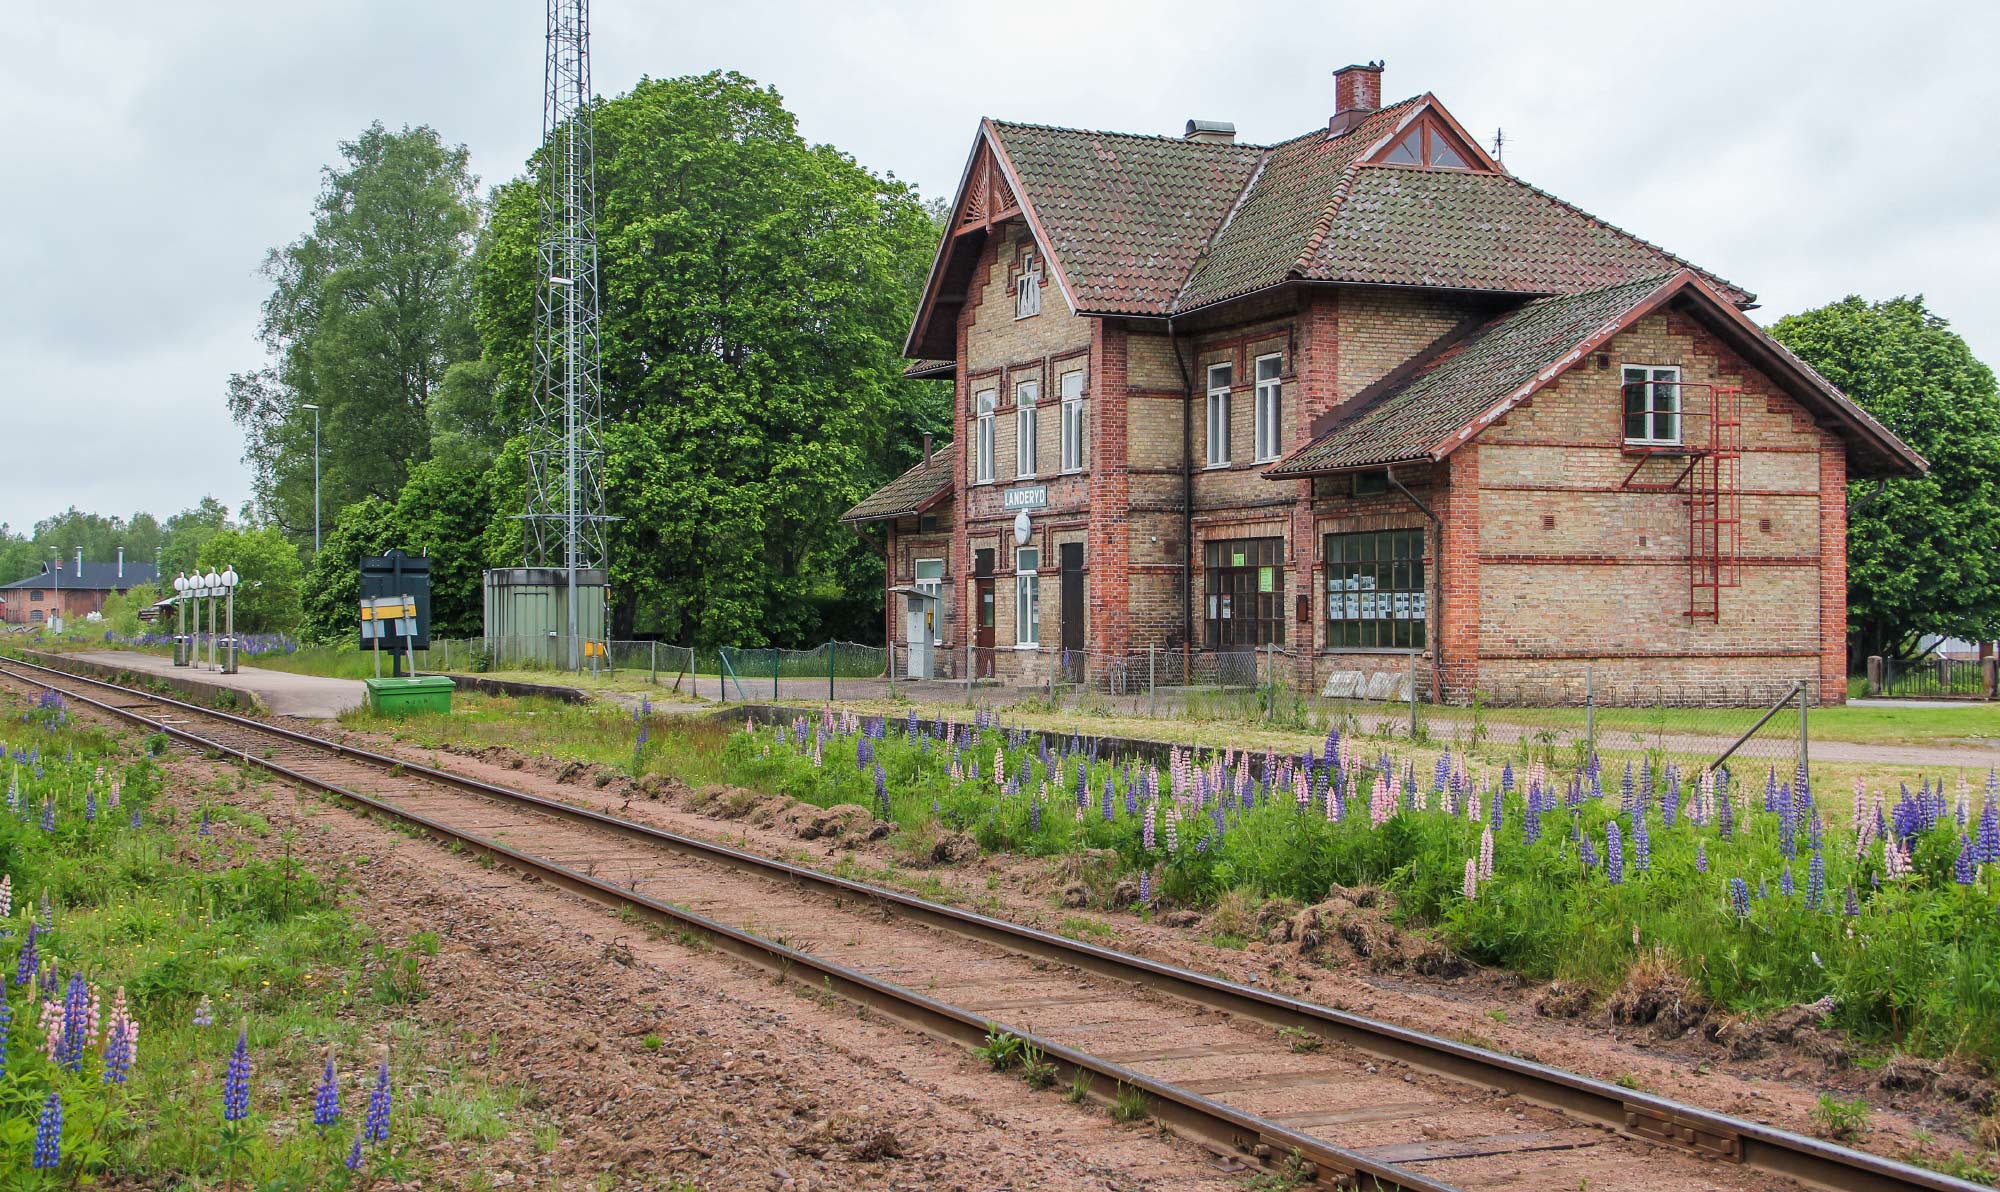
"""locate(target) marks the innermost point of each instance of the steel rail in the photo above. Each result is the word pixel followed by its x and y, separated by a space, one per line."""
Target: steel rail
pixel 1810 1161
pixel 1223 1128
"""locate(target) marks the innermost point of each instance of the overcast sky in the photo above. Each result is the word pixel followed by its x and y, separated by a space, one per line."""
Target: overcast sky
pixel 153 152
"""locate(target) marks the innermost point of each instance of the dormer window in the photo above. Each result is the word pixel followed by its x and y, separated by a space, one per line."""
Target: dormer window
pixel 1427 143
pixel 1028 287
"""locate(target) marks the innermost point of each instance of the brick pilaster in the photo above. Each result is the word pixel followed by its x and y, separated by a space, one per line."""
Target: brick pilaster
pixel 1458 552
pixel 1314 391
pixel 1109 550
pixel 1832 571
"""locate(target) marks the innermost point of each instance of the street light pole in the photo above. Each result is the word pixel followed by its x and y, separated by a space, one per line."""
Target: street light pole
pixel 315 410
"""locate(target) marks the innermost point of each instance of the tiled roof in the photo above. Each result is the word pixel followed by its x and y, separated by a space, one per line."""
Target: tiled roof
pixel 1125 215
pixel 1297 189
pixel 914 490
pixel 1411 415
pixel 927 369
pixel 97 577
pixel 1460 229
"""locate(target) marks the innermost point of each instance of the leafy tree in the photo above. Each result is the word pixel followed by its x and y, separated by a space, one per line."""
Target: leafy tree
pixel 267 599
pixel 333 581
pixel 186 532
pixel 367 314
pixel 1921 555
pixel 756 293
pixel 441 513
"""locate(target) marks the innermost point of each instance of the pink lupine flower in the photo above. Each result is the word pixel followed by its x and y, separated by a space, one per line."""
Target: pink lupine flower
pixel 92 1016
pixel 1471 879
pixel 999 766
pixel 52 1026
pixel 1486 852
pixel 6 895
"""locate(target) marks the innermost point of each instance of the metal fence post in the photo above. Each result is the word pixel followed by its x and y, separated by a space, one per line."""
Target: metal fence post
pixel 1152 680
pixel 1590 705
pixel 774 672
pixel 1413 695
pixel 655 668
pixel 721 675
pixel 1804 742
pixel 830 648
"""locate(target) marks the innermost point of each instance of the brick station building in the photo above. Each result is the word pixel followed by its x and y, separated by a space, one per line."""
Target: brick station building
pixel 71 591
pixel 1361 396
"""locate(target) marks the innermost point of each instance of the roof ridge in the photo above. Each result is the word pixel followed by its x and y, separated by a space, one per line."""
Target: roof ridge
pixel 1324 223
pixel 1675 257
pixel 1208 244
pixel 1131 136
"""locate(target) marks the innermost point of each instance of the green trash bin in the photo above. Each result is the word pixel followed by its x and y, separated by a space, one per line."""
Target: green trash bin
pixel 423 693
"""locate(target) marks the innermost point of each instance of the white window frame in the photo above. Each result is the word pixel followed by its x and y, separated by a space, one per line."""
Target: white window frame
pixel 1270 406
pixel 1218 413
pixel 982 450
pixel 1028 288
pixel 1027 598
pixel 933 584
pixel 1027 456
pixel 1071 388
pixel 1653 376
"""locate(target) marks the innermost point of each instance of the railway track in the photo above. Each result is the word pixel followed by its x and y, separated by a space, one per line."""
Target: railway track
pixel 1269 1079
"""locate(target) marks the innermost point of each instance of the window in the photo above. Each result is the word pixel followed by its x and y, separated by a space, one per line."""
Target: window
pixel 1372 483
pixel 1270 406
pixel 1375 590
pixel 927 523
pixel 1027 597
pixel 1652 405
pixel 1425 145
pixel 930 576
pixel 1072 421
pixel 982 463
pixel 35 595
pixel 1246 592
pixel 1028 288
pixel 1025 395
pixel 34 614
pixel 1219 376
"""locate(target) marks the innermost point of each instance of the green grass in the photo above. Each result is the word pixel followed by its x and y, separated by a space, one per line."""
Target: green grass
pixel 688 749
pixel 173 919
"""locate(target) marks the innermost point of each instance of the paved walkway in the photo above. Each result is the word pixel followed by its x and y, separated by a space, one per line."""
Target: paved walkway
pixel 306 696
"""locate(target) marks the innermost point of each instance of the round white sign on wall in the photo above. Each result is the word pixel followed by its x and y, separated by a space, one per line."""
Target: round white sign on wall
pixel 1022 528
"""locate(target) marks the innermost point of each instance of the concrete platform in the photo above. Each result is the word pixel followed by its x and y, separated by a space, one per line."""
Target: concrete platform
pixel 306 696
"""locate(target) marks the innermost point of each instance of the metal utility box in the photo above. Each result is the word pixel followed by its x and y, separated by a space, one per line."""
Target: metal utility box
pixel 399 697
pixel 527 614
pixel 398 574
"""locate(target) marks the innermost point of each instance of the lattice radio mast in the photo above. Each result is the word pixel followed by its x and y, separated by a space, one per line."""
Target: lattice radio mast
pixel 565 516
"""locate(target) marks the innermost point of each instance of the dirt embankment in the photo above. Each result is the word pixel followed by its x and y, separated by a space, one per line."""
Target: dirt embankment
pixel 1656 1033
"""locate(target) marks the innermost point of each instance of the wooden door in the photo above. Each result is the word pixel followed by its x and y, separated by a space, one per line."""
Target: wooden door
pixel 983 637
pixel 1072 609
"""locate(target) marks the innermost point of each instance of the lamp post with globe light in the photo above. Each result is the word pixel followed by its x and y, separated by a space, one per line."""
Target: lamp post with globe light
pixel 180 620
pixel 211 587
pixel 229 581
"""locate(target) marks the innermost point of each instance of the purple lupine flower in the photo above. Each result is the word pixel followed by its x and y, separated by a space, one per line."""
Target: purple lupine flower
pixel 1785 884
pixel 1725 814
pixel 1145 887
pixel 1507 777
pixel 1034 814
pixel 1739 897
pixel 1701 856
pixel 48 1134
pixel 6 1029
pixel 354 1153
pixel 1764 888
pixel 377 1126
pixel 1963 869
pixel 1642 845
pixel 1853 908
pixel 203 829
pixel 48 815
pixel 75 1024
pixel 31 956
pixel 1626 789
pixel 135 815
pixel 121 1042
pixel 326 1099
pixel 90 806
pixel 1586 853
pixel 1109 796
pixel 204 1012
pixel 236 1080
pixel 1131 797
pixel 1986 847
pixel 1614 853
pixel 1531 822
pixel 1816 881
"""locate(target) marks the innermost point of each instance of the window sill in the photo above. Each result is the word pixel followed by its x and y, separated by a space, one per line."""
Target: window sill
pixel 1224 466
pixel 1654 447
pixel 1027 645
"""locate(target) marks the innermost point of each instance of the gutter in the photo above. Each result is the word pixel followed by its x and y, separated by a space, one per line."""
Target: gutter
pixel 1437 569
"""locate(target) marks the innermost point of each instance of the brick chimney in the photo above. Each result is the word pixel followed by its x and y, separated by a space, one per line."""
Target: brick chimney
pixel 1357 94
pixel 121 562
pixel 927 452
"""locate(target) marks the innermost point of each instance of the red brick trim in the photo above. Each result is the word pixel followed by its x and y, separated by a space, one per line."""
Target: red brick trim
pixel 1458 573
pixel 1108 590
pixel 1833 571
